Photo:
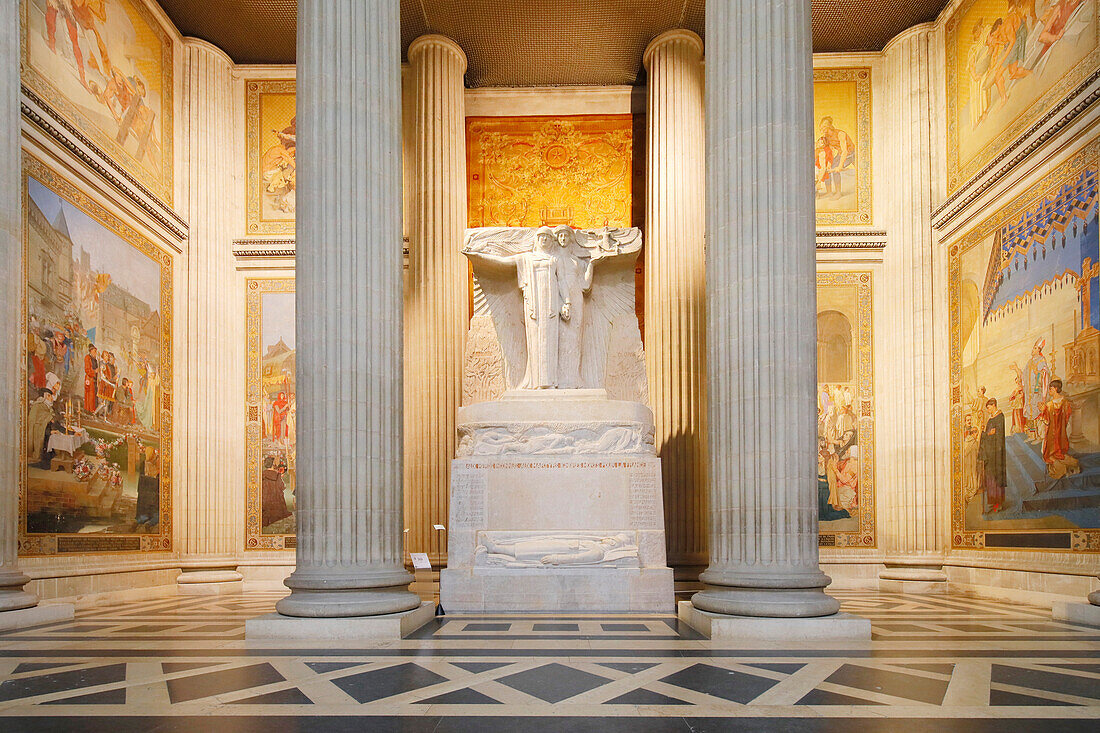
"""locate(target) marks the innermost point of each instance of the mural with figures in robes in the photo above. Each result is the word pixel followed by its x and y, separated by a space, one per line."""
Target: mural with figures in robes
pixel 1025 352
pixel 97 428
pixel 105 66
pixel 272 401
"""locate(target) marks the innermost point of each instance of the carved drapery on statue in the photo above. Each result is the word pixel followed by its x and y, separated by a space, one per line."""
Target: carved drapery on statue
pixel 553 309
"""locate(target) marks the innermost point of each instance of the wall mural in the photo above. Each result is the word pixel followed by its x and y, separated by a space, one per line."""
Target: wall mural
pixel 106 67
pixel 528 171
pixel 1008 62
pixel 96 433
pixel 1025 352
pixel 845 410
pixel 271 133
pixel 842 146
pixel 270 433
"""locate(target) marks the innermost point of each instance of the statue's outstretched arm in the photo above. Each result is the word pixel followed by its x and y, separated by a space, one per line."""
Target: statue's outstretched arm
pixel 496 262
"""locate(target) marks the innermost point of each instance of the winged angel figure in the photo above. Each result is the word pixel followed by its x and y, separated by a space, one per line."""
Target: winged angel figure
pixel 561 303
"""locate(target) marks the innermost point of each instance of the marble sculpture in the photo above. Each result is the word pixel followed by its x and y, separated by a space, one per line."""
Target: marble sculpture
pixel 556 498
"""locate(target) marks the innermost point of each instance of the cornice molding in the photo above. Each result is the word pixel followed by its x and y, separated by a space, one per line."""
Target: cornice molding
pixel 257 247
pixel 866 239
pixel 49 122
pixel 1016 152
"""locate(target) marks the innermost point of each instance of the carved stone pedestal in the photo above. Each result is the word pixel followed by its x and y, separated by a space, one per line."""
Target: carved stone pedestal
pixel 562 513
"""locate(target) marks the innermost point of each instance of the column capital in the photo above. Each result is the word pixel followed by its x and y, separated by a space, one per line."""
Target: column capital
pixel 197 44
pixel 437 40
pixel 925 29
pixel 671 36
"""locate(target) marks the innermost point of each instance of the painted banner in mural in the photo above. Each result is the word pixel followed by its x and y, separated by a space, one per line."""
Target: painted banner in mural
pixel 1008 62
pixel 272 400
pixel 845 410
pixel 842 145
pixel 97 422
pixel 106 67
pixel 1025 314
pixel 271 134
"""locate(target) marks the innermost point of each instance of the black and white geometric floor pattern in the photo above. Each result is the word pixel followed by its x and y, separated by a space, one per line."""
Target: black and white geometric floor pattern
pixel 934 663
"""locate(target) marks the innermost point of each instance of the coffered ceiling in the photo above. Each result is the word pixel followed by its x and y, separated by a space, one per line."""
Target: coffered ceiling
pixel 538 42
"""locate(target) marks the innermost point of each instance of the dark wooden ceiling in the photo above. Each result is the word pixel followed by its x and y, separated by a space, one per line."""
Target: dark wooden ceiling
pixel 527 42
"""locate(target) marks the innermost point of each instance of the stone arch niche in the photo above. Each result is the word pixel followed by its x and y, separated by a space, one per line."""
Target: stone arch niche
pixel 834 348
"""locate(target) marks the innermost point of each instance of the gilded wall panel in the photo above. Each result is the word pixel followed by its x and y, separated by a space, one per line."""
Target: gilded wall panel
pixel 1024 309
pixel 270 134
pixel 96 432
pixel 845 410
pixel 1008 62
pixel 842 146
pixel 271 466
pixel 105 66
pixel 528 171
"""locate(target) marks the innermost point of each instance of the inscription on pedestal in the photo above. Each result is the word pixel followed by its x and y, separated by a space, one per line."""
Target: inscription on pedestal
pixel 468 497
pixel 645 501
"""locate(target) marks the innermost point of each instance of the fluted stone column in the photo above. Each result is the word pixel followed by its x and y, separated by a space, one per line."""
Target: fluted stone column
pixel 209 510
pixel 675 284
pixel 349 313
pixel 761 319
pixel 437 288
pixel 914 524
pixel 12 580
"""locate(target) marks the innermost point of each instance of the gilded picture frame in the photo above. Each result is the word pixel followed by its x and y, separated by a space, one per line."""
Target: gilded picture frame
pixel 856 289
pixel 117 63
pixel 269 137
pixel 843 96
pixel 992 102
pixel 974 523
pixel 256 431
pixel 110 540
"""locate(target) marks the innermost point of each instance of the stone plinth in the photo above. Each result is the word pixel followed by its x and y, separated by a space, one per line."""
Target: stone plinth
pixel 837 627
pixel 209 582
pixel 1085 614
pixel 571 527
pixel 35 616
pixel 384 627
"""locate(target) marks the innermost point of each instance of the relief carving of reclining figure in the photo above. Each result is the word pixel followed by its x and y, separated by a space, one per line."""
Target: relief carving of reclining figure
pixel 541 550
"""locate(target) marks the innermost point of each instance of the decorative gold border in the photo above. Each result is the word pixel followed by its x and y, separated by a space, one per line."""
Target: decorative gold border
pixel 66 110
pixel 254 221
pixel 1082 540
pixel 864 212
pixel 960 172
pixel 865 535
pixel 254 538
pixel 46 544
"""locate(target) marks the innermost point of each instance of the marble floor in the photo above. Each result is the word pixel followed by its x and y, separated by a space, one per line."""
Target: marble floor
pixel 936 663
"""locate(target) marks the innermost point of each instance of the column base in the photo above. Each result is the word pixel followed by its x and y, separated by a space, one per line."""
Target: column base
pixel 912 579
pixel 35 616
pixel 209 582
pixel 837 627
pixel 1085 614
pixel 386 627
pixel 12 595
pixel 325 593
pixel 765 595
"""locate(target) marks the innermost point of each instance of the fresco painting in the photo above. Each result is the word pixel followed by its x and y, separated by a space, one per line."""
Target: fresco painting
pixel 1008 61
pixel 106 66
pixel 842 145
pixel 96 428
pixel 1025 314
pixel 845 410
pixel 272 402
pixel 272 142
